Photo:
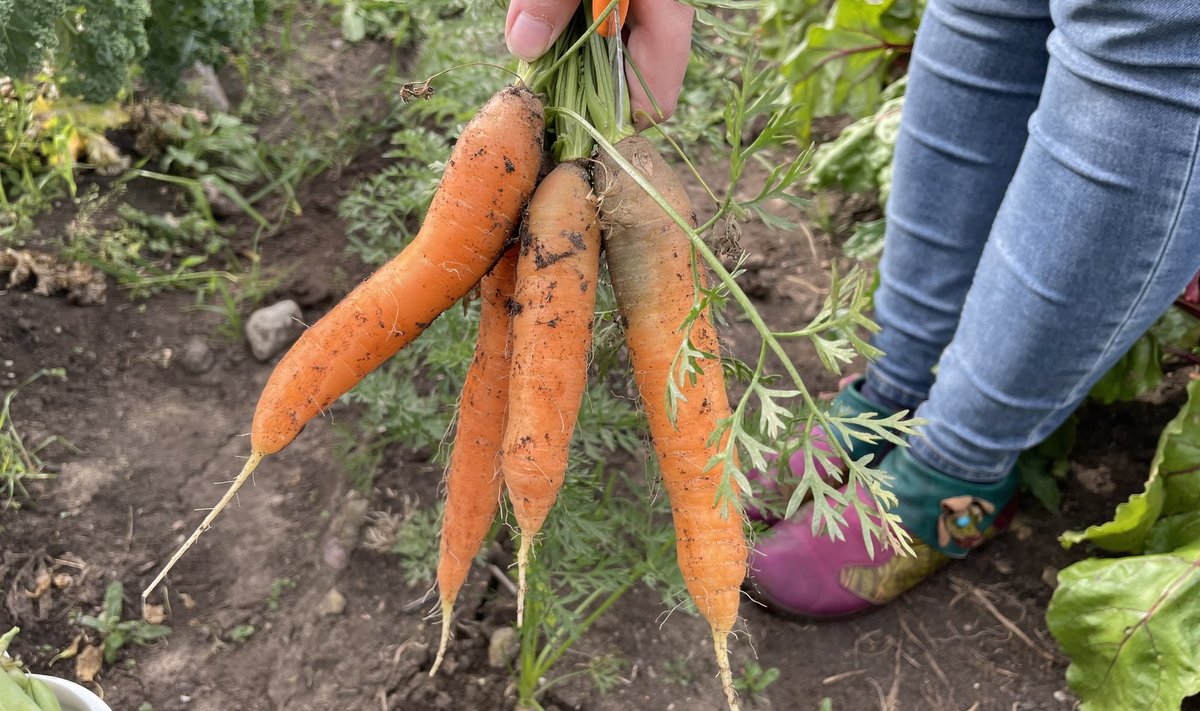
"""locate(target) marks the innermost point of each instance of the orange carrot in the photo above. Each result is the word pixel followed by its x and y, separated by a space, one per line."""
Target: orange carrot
pixel 473 481
pixel 608 28
pixel 488 179
pixel 552 333
pixel 649 259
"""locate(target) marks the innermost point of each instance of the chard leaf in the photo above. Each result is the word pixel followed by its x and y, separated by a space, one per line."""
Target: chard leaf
pixel 1173 533
pixel 1173 486
pixel 1179 450
pixel 1137 372
pixel 1133 645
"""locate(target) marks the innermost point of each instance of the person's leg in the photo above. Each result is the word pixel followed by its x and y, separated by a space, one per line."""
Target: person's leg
pixel 976 73
pixel 1099 232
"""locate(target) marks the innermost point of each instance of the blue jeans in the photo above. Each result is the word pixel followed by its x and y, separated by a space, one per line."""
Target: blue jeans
pixel 1045 211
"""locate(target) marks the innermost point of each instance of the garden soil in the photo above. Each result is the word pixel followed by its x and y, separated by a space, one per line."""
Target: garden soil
pixel 280 606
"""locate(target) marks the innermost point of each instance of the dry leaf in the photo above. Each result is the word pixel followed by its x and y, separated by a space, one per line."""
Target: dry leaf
pixel 83 284
pixel 88 663
pixel 63 580
pixel 41 586
pixel 154 614
pixel 188 601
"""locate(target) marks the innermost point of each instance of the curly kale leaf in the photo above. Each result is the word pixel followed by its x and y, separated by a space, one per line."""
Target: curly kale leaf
pixel 109 38
pixel 183 32
pixel 28 32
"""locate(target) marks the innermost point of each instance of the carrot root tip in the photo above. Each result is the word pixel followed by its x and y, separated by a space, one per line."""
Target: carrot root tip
pixel 256 456
pixel 522 586
pixel 447 614
pixel 721 647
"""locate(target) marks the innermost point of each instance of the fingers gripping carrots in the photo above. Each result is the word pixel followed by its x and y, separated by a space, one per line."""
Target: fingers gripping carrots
pixel 473 480
pixel 552 334
pixel 649 259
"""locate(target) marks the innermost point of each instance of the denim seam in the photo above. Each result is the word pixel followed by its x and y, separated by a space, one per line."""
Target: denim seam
pixel 1172 233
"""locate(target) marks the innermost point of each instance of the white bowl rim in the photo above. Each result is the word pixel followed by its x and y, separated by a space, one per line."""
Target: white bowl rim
pixel 69 690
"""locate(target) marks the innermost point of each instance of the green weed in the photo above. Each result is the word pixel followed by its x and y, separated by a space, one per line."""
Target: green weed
pixel 20 462
pixel 754 680
pixel 115 632
pixel 278 587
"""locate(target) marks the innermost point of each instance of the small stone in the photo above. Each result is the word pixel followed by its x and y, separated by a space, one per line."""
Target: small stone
pixel 203 83
pixel 1097 480
pixel 502 647
pixel 334 603
pixel 1002 566
pixel 272 328
pixel 1062 696
pixel 197 357
pixel 221 204
pixel 1050 577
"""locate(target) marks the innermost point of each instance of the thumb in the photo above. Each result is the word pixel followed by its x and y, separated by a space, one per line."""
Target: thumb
pixel 533 25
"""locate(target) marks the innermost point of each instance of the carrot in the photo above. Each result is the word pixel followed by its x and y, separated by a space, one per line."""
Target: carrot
pixel 608 28
pixel 488 179
pixel 473 481
pixel 552 333
pixel 649 260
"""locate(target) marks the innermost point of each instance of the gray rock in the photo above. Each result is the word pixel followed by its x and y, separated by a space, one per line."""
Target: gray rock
pixel 502 647
pixel 272 328
pixel 203 84
pixel 196 358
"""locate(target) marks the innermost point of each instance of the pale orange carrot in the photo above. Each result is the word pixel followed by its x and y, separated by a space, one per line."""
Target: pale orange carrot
pixel 473 481
pixel 552 333
pixel 649 260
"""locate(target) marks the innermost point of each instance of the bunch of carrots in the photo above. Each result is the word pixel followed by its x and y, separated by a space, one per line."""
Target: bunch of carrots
pixel 533 247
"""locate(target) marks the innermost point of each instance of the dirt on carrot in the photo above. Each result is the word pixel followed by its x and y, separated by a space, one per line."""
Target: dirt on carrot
pixel 650 260
pixel 552 335
pixel 473 481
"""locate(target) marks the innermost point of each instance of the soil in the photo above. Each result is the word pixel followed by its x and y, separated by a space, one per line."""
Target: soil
pixel 153 435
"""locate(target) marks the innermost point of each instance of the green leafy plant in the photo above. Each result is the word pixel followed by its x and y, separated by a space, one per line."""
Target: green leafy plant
pixel 1134 645
pixel 115 632
pixel 92 45
pixel 279 586
pixel 223 146
pixel 240 634
pixel 412 544
pixel 846 58
pixel 601 539
pixel 754 680
pixel 20 462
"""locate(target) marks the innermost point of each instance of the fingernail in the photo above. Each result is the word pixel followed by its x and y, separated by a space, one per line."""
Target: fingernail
pixel 529 37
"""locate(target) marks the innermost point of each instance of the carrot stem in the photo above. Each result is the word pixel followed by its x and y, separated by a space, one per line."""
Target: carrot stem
pixel 251 464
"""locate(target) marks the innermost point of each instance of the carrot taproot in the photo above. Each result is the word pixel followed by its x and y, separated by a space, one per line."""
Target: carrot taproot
pixel 649 261
pixel 473 481
pixel 488 179
pixel 609 26
pixel 552 333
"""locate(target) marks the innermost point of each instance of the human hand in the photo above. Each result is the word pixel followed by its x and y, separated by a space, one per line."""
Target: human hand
pixel 658 38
